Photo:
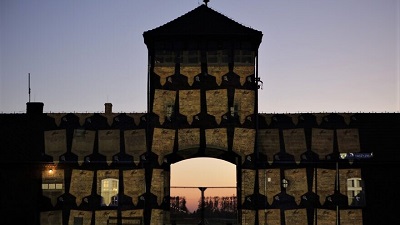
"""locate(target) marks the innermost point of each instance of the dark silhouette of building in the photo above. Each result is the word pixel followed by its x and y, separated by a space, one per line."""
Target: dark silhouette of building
pixel 114 168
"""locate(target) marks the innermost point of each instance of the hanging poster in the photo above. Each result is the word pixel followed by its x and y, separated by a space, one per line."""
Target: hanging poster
pixel 55 143
pixel 132 216
pixel 350 183
pixel 217 103
pixel 296 217
pixel 269 217
pixel 244 101
pixel 248 180
pixel 81 184
pixel 134 184
pixel 243 71
pixel 218 71
pixel 190 71
pixel 109 143
pixel 108 186
pixel 297 183
pixel 51 217
pixel 102 217
pixel 243 142
pixel 348 140
pixel 157 217
pixel 269 183
pixel 322 142
pixel 295 142
pixel 164 72
pixel 189 103
pixel 325 217
pixel 268 143
pixel 164 103
pixel 351 217
pixel 80 217
pixel 248 217
pixel 326 183
pixel 163 142
pixel 135 143
pixel 83 143
pixel 53 183
pixel 158 184
pixel 217 138
pixel 188 138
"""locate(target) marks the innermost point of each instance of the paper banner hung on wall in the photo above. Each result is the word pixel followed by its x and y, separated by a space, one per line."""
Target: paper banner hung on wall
pixel 53 183
pixel 134 184
pixel 157 217
pixel 83 143
pixel 80 217
pixel 350 183
pixel 217 103
pixel 102 217
pixel 190 71
pixel 248 217
pixel 244 101
pixel 132 216
pixel 295 142
pixel 218 72
pixel 243 72
pixel 51 217
pixel 322 142
pixel 164 103
pixel 81 184
pixel 109 143
pixel 269 216
pixel 108 186
pixel 351 216
pixel 164 72
pixel 163 143
pixel 296 216
pixel 248 180
pixel 135 143
pixel 158 183
pixel 243 142
pixel 55 143
pixel 325 217
pixel 348 140
pixel 217 138
pixel 268 142
pixel 189 103
pixel 188 138
pixel 297 183
pixel 269 181
pixel 325 183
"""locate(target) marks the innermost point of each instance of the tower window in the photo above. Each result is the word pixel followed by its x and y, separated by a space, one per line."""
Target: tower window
pixel 164 58
pixel 244 57
pixel 217 57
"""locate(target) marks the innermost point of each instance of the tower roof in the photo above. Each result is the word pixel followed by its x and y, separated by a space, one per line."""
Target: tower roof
pixel 203 22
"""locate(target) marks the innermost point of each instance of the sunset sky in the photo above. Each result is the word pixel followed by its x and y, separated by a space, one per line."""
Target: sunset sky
pixel 315 56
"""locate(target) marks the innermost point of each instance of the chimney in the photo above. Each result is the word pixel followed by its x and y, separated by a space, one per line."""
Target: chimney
pixel 108 108
pixel 34 108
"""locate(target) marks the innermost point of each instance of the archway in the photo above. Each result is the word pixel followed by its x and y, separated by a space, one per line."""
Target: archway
pixel 218 181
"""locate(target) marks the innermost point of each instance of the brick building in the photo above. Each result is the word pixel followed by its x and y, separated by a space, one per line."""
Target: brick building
pixel 114 168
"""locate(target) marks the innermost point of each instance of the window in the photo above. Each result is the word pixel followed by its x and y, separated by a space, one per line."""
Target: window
pixel 217 57
pixel 52 186
pixel 190 57
pixel 354 187
pixel 164 58
pixel 244 57
pixel 109 191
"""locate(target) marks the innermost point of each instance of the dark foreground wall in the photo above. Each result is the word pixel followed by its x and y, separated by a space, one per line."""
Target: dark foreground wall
pixel 22 145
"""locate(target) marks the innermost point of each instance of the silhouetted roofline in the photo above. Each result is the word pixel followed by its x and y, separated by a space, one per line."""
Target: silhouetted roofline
pixel 202 23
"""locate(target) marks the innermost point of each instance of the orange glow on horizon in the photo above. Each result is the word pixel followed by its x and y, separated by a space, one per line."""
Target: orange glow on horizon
pixel 202 172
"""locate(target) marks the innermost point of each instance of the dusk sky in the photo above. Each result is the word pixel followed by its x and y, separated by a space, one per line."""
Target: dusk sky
pixel 315 55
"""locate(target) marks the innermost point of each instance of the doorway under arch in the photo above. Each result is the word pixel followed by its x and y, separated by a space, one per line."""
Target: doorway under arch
pixel 219 177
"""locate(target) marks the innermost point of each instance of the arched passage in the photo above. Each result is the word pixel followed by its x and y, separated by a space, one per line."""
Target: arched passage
pixel 219 176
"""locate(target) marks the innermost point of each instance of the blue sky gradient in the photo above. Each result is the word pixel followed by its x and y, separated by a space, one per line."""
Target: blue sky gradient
pixel 315 55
